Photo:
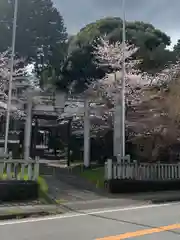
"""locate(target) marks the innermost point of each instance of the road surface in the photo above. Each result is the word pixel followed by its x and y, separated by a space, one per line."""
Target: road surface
pixel 160 222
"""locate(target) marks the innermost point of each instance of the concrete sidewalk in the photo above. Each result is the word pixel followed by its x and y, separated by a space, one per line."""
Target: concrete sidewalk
pixel 122 200
pixel 10 211
pixel 159 197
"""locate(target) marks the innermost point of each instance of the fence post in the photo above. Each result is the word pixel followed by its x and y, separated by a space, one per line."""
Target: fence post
pixel 178 170
pixel 8 171
pixel 135 170
pixel 128 158
pixel 2 166
pixel 29 171
pixel 109 169
pixel 36 168
pixel 119 159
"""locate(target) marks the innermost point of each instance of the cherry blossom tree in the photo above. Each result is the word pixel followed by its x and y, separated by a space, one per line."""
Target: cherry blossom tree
pixel 158 114
pixel 149 98
pixel 112 55
pixel 4 79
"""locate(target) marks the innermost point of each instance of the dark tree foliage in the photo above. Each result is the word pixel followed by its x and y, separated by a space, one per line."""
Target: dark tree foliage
pixel 39 25
pixel 80 68
pixel 152 42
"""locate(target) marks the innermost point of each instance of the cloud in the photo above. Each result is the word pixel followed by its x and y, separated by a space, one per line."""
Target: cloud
pixel 163 14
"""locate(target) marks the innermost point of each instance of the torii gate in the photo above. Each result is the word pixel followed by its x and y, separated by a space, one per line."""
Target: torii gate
pixel 59 103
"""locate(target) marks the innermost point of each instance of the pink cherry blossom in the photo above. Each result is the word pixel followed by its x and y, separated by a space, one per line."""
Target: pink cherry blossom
pixel 4 81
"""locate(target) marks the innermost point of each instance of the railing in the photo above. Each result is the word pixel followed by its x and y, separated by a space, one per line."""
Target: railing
pixel 142 171
pixel 19 169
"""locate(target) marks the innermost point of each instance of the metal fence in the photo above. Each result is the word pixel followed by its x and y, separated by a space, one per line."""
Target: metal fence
pixel 141 171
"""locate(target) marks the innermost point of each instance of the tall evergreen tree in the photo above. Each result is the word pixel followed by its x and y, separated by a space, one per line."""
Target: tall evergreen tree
pixel 39 26
pixel 177 49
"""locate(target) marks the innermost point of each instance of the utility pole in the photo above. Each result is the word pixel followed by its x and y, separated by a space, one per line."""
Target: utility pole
pixel 11 77
pixel 86 133
pixel 123 89
pixel 120 107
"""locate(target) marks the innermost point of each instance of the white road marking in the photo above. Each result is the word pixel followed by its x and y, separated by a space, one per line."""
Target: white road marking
pixel 65 216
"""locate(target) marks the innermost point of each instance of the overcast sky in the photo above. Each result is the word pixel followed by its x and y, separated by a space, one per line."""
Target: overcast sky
pixel 163 14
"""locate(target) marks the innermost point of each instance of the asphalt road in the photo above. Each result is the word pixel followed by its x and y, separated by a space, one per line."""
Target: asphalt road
pixel 135 222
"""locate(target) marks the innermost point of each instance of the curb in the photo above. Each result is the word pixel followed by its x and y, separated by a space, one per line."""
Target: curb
pixel 20 213
pixel 166 200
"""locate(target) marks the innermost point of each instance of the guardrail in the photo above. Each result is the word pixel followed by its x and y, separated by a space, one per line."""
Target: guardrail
pixel 141 171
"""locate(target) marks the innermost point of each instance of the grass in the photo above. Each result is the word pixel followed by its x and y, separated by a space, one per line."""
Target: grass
pixel 94 175
pixel 60 201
